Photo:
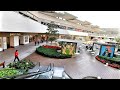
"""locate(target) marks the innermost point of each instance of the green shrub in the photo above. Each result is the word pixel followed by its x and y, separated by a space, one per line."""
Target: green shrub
pixel 22 65
pixel 52 53
pixel 108 58
pixel 8 72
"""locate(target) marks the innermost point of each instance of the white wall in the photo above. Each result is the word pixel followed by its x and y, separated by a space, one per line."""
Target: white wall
pixel 14 41
pixel 13 22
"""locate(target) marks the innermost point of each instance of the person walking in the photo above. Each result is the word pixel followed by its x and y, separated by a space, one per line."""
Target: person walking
pixel 35 42
pixel 38 41
pixel 16 55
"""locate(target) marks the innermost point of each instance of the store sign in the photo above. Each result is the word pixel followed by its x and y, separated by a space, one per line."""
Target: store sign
pixel 79 30
pixel 15 34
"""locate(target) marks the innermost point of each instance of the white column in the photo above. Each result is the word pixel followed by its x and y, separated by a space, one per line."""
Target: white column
pixel 14 41
pixel 1 44
pixel 11 41
pixel 4 43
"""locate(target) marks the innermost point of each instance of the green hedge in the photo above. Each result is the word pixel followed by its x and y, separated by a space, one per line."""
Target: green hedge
pixel 52 53
pixel 111 59
pixel 8 72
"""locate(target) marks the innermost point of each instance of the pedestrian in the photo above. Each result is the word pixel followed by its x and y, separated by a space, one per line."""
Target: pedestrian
pixel 86 47
pixel 16 55
pixel 38 41
pixel 35 42
pixel 42 40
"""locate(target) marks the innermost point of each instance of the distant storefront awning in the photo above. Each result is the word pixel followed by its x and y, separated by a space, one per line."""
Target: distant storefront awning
pixel 62 31
pixel 77 33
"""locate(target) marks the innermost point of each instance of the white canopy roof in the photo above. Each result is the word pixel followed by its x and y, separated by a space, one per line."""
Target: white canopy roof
pixel 77 33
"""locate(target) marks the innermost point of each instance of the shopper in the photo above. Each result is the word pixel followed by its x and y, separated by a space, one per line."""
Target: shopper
pixel 35 41
pixel 38 41
pixel 16 55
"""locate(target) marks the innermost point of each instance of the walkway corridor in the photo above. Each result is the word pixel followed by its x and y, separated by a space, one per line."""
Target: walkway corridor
pixel 24 51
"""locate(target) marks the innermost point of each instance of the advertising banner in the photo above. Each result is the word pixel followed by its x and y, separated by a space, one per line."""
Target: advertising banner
pixel 107 50
pixel 69 48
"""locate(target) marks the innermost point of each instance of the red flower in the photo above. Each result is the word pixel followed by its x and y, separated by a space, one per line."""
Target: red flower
pixel 54 47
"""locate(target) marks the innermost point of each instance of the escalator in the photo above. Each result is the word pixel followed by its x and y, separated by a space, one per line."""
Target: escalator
pixel 44 72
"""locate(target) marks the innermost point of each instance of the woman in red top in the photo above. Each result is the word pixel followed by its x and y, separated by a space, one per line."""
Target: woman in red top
pixel 16 55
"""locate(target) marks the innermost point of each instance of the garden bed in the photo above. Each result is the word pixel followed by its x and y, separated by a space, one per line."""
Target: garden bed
pixel 6 73
pixel 112 62
pixel 23 65
pixel 51 52
pixel 16 68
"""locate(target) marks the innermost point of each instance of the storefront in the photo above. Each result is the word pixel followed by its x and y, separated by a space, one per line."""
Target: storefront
pixel 3 40
pixel 24 39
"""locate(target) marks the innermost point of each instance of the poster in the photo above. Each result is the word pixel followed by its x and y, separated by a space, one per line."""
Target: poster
pixel 107 50
pixel 69 48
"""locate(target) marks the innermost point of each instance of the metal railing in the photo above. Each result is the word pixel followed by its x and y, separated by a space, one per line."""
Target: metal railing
pixel 30 74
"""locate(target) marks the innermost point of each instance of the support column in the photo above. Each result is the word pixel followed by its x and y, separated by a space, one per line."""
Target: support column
pixel 3 43
pixel 14 41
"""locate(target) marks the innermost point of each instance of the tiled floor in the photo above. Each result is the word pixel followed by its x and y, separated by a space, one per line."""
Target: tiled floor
pixel 24 51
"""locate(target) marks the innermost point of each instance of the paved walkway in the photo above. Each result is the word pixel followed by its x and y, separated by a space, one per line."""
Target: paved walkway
pixel 81 66
pixel 24 51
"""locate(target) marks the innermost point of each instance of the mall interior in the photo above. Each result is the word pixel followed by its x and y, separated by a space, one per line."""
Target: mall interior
pixel 80 50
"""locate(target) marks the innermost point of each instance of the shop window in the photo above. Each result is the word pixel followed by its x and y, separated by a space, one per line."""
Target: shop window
pixel 26 38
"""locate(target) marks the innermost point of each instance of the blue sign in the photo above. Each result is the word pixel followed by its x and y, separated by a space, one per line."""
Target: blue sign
pixel 107 50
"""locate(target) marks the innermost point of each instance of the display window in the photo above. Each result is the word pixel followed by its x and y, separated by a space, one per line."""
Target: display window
pixel 26 38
